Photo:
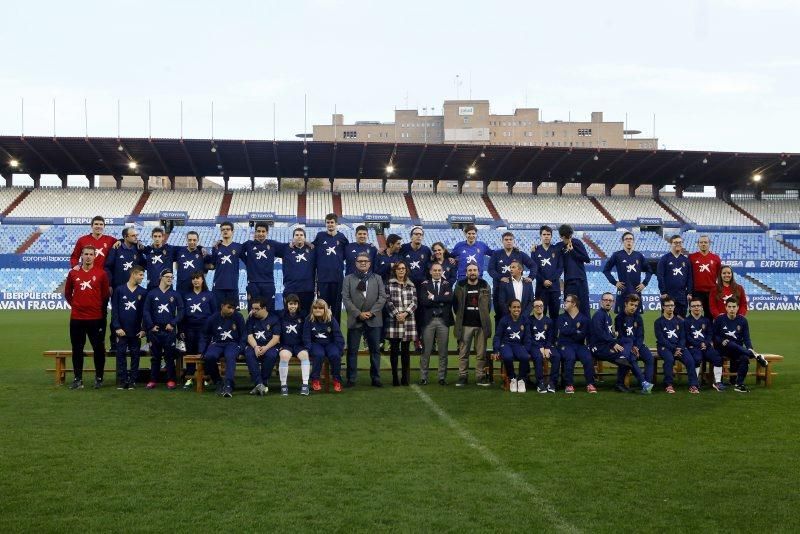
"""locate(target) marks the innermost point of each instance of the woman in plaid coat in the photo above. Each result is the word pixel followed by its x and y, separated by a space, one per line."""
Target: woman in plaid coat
pixel 402 328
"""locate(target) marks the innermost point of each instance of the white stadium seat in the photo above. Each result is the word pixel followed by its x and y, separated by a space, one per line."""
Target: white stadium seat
pixel 772 211
pixel 355 205
pixel 202 205
pixel 545 209
pixel 75 202
pixel 281 203
pixel 435 207
pixel 707 211
pixel 624 208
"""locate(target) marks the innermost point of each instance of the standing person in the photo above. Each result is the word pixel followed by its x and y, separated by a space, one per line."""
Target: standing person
pixel 732 338
pixel 299 260
pixel 543 337
pixel 512 341
pixel 323 337
pixel 158 256
pixel 675 276
pixel 86 290
pixel 361 245
pixel 198 306
pixel 401 304
pixel 121 259
pixel 630 328
pixel 223 337
pixel 548 273
pixel 127 313
pixel 572 329
pixel 726 287
pixel 470 252
pixel 705 271
pixel 263 338
pixel 163 310
pixel 630 266
pixel 500 270
pixel 604 344
pixel 364 296
pixel 516 287
pixel 699 341
pixel 189 260
pixel 330 247
pixel 471 303
pixel 385 260
pixel 224 261
pixel 574 259
pixel 436 300
pixel 102 244
pixel 258 256
pixel 440 255
pixel 292 324
pixel 417 256
pixel 671 344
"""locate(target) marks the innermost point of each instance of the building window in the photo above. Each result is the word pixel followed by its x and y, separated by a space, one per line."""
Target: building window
pixel 466 120
pixel 584 132
pixel 350 134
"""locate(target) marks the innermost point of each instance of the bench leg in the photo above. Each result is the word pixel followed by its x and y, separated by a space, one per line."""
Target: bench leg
pixel 199 376
pixel 61 377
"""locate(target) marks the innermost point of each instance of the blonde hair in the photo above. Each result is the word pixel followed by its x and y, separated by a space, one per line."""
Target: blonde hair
pixel 326 316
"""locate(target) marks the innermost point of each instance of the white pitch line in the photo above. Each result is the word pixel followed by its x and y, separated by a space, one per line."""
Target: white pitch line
pixel 545 508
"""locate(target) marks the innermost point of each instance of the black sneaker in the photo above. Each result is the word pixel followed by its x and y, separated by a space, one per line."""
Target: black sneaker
pixel 130 385
pixel 122 385
pixel 741 388
pixel 219 387
pixel 462 381
pixel 76 384
pixel 442 382
pixel 350 384
pixel 377 383
pixel 762 360
pixel 423 382
pixel 484 382
pixel 227 392
pixel 98 383
pixel 622 361
pixel 622 388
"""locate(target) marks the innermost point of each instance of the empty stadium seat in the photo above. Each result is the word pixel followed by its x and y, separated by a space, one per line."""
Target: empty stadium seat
pixel 650 244
pixel 318 205
pixel 783 211
pixel 434 207
pixel 13 235
pixel 8 195
pixel 282 203
pixel 707 211
pixel 75 202
pixel 60 239
pixel 31 280
pixel 355 205
pixel 203 205
pixel 624 208
pixel 547 209
pixel 742 246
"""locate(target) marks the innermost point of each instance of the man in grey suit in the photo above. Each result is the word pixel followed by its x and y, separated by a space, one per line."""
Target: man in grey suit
pixel 363 296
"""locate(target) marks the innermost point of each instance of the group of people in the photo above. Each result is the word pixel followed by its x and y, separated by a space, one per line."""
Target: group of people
pixel 408 294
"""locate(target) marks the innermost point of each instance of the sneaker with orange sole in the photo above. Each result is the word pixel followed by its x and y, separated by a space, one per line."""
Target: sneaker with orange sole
pixel 315 385
pixel 151 385
pixel 669 389
pixel 591 389
pixel 337 386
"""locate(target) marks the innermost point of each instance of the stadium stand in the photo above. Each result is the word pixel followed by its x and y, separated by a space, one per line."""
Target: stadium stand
pixel 318 205
pixel 8 195
pixel 77 202
pixel 355 205
pixel 785 283
pixel 282 203
pixel 624 208
pixel 27 280
pixel 13 235
pixel 434 207
pixel 707 212
pixel 738 246
pixel 783 211
pixel 650 244
pixel 546 209
pixel 200 205
pixel 60 239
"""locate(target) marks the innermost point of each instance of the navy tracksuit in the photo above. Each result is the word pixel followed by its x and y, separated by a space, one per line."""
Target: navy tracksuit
pixel 352 252
pixel 699 340
pixel 602 339
pixel 675 279
pixel 470 255
pixel 630 268
pixel 119 263
pixel 292 332
pixel 324 340
pixel 127 312
pixel 299 273
pixel 197 308
pixel 262 331
pixel 156 260
pixel 225 260
pixel 162 308
pixel 223 337
pixel 512 341
pixel 187 262
pixel 542 337
pixel 574 264
pixel 259 259
pixel 572 344
pixel 670 336
pixel 550 267
pixel 631 328
pixel 330 256
pixel 732 339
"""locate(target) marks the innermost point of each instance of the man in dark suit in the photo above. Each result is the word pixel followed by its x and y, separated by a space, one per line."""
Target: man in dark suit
pixel 518 288
pixel 363 296
pixel 436 299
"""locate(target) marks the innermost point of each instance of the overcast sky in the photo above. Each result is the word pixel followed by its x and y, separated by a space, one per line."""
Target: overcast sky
pixel 717 74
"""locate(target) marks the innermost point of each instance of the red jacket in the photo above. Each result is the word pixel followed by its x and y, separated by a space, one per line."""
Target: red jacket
pixel 103 246
pixel 717 305
pixel 86 292
pixel 704 271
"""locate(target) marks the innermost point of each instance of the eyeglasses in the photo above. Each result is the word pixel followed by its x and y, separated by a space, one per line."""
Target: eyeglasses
pixel 696 306
pixel 607 300
pixel 362 261
pixel 668 305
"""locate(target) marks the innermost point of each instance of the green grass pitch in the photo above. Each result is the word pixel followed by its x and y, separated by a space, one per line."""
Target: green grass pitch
pixel 401 459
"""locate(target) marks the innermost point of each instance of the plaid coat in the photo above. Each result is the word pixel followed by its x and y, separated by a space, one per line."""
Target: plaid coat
pixel 401 298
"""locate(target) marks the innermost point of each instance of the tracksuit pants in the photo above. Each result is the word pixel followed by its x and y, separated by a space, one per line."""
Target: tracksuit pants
pixel 669 365
pixel 319 353
pixel 132 345
pixel 260 367
pixel 513 351
pixel 228 351
pixel 739 357
pixel 79 330
pixel 605 354
pixel 162 345
pixel 572 353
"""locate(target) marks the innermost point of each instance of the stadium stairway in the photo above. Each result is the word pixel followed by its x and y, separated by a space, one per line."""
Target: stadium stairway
pixel 28 242
pixel 301 207
pixel 226 204
pixel 592 245
pixel 746 214
pixel 16 202
pixel 337 204
pixel 670 210
pixel 491 208
pixel 788 245
pixel 140 204
pixel 412 209
pixel 760 284
pixel 602 210
pixel 381 242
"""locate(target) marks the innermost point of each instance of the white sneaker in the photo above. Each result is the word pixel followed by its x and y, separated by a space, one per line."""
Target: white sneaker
pixel 513 385
pixel 262 389
pixel 180 345
pixel 521 387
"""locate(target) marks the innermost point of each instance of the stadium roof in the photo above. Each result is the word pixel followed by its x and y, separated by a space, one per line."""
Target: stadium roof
pixel 296 159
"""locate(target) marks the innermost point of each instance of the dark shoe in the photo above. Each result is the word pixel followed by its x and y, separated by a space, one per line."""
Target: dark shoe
pixel 76 384
pixel 622 361
pixel 622 388
pixel 442 382
pixel 462 381
pixel 227 392
pixel 395 381
pixel 377 384
pixel 350 384
pixel 485 382
pixel 98 383
pixel 423 382
pixel 122 385
pixel 741 388
pixel 218 387
pixel 130 385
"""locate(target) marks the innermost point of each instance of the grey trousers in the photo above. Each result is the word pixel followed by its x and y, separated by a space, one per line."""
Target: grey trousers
pixel 435 330
pixel 468 334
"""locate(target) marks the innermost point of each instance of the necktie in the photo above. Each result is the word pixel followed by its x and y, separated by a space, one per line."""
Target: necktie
pixel 436 287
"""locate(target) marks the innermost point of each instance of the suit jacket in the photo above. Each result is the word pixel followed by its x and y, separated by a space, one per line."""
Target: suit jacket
pixel 441 304
pixel 506 295
pixel 356 302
